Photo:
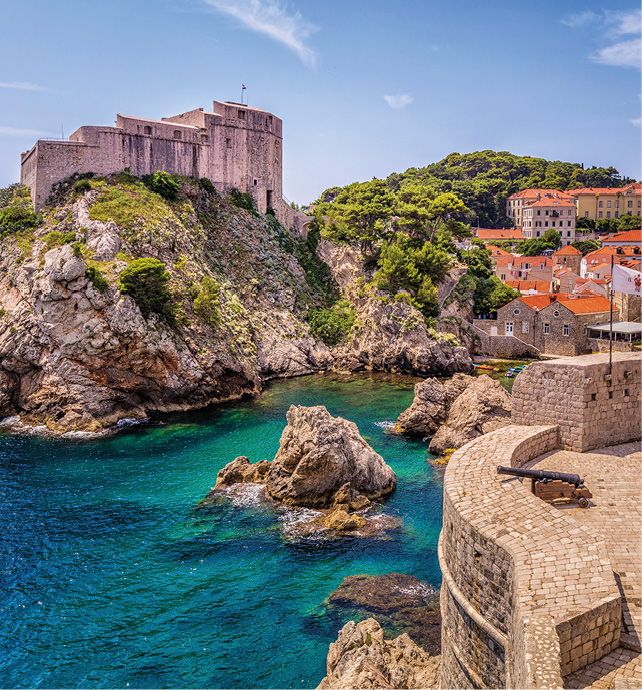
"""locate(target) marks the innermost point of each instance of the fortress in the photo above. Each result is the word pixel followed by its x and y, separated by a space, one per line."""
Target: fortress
pixel 235 146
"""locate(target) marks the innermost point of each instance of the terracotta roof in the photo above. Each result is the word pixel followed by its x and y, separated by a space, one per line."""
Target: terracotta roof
pixel 552 202
pixel 597 281
pixel 599 267
pixel 588 305
pixel 500 234
pixel 540 286
pixel 568 250
pixel 628 236
pixel 497 251
pixel 584 191
pixel 534 193
pixel 538 302
pixel 521 260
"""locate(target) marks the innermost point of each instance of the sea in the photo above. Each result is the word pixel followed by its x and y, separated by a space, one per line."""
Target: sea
pixel 112 577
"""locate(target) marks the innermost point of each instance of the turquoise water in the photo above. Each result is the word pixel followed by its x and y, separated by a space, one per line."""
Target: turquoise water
pixel 111 578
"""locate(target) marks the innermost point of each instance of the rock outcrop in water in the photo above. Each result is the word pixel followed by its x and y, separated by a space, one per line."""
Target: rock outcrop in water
pixel 362 658
pixel 78 355
pixel 323 460
pixel 456 411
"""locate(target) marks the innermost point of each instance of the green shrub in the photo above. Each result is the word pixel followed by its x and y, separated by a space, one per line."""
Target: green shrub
pixel 146 281
pixel 332 325
pixel 242 200
pixel 163 184
pixel 96 277
pixel 56 238
pixel 206 184
pixel 81 186
pixel 15 218
pixel 77 247
pixel 206 302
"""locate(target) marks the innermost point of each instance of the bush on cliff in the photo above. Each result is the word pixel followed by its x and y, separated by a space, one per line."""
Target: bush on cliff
pixel 243 200
pixel 163 184
pixel 146 281
pixel 97 279
pixel 332 325
pixel 15 218
pixel 206 302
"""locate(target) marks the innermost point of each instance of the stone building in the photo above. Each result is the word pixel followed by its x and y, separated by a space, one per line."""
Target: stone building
pixel 518 202
pixel 570 257
pixel 553 324
pixel 524 268
pixel 549 214
pixel 235 146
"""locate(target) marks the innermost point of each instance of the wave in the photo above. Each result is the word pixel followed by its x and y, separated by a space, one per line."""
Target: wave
pixel 385 425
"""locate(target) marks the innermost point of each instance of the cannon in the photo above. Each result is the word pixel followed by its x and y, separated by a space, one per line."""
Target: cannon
pixel 553 486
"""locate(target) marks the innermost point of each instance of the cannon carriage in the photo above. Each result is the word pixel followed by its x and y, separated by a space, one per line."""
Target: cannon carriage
pixel 553 486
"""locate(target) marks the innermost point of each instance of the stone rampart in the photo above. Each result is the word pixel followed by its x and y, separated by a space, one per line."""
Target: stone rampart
pixel 528 594
pixel 592 409
pixel 502 346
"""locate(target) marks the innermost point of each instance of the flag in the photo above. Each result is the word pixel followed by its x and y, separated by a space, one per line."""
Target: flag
pixel 243 85
pixel 626 280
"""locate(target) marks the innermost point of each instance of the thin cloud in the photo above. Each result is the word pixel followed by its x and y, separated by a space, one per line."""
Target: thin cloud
pixel 637 122
pixel 23 86
pixel 399 100
pixel 17 132
pixel 580 19
pixel 622 54
pixel 271 18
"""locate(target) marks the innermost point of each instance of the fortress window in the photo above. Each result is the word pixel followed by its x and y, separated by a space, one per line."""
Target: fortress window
pixel 241 114
pixel 204 138
pixel 255 183
pixel 228 143
pixel 147 130
pixel 270 119
pixel 177 134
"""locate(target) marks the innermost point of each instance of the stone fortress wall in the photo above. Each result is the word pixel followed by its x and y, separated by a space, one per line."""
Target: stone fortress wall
pixel 235 146
pixel 528 594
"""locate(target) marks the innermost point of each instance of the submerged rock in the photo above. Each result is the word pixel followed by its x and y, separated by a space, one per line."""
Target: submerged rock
pixel 401 602
pixel 456 411
pixel 323 459
pixel 362 658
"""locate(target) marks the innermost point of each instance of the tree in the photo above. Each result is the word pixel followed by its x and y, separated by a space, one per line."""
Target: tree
pixel 146 281
pixel 586 246
pixel 628 222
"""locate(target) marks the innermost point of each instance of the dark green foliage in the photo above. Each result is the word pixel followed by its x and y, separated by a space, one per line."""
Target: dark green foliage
pixel 15 194
pixel 628 222
pixel 81 186
pixel 243 200
pixel 77 248
pixel 56 238
pixel 584 223
pixel 317 274
pixel 160 182
pixel 15 218
pixel 60 190
pixel 97 279
pixel 146 281
pixel 490 293
pixel 207 185
pixel 286 242
pixel 206 302
pixel 551 239
pixel 414 267
pixel 332 325
pixel 586 246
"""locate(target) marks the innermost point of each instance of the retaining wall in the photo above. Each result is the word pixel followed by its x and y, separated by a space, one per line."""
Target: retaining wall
pixel 528 594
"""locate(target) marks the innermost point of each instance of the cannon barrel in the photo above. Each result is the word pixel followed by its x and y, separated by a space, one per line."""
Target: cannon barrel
pixel 541 475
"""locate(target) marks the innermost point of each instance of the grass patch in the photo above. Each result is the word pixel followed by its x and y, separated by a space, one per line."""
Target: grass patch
pixel 130 207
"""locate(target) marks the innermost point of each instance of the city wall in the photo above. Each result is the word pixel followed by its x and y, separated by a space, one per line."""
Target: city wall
pixel 528 594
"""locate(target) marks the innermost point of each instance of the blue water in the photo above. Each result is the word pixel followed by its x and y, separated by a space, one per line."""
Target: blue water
pixel 111 578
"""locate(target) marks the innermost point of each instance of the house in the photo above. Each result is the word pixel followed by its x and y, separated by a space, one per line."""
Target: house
pixel 597 286
pixel 600 271
pixel 630 238
pixel 496 252
pixel 549 214
pixel 608 202
pixel 570 257
pixel 516 203
pixel 564 279
pixel 524 267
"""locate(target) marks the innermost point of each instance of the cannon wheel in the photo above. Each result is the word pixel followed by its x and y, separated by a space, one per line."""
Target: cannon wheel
pixel 583 502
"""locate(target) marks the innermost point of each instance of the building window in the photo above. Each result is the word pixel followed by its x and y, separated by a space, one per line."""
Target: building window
pixel 601 204
pixel 553 223
pixel 539 212
pixel 547 328
pixel 545 223
pixel 585 214
pixel 629 204
pixel 538 233
pixel 147 130
pixel 255 182
pixel 608 214
pixel 617 204
pixel 565 329
pixel 177 134
pixel 228 143
pixel 516 312
pixel 599 214
pixel 617 214
pixel 241 114
pixel 568 234
pixel 204 138
pixel 509 328
pixel 556 313
pixel 568 224
pixel 608 204
pixel 502 277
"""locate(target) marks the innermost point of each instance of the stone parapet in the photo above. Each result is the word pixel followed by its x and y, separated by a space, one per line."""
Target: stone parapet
pixel 592 409
pixel 528 594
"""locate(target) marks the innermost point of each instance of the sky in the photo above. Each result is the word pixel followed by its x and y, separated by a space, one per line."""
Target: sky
pixel 364 87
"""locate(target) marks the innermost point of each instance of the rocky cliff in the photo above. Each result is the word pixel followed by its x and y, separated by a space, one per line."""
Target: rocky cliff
pixel 77 354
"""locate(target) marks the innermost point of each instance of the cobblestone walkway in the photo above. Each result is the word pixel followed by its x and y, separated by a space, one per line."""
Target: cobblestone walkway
pixel 613 476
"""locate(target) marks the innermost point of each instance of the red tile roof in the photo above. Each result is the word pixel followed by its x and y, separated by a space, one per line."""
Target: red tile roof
pixel 533 193
pixel 628 236
pixel 500 234
pixel 521 260
pixel 552 202
pixel 568 250
pixel 588 305
pixel 497 251
pixel 540 286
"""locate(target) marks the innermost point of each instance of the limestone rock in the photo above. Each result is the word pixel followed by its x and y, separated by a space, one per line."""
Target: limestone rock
pixel 318 455
pixel 341 521
pixel 362 658
pixel 483 406
pixel 241 470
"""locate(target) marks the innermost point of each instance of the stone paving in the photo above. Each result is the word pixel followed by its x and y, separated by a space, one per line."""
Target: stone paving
pixel 613 475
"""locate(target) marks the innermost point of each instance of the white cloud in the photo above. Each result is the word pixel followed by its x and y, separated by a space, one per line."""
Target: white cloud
pixel 271 18
pixel 399 100
pixel 622 54
pixel 637 122
pixel 580 19
pixel 22 85
pixel 17 132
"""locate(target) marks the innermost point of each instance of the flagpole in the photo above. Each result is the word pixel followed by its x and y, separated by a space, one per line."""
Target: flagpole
pixel 611 323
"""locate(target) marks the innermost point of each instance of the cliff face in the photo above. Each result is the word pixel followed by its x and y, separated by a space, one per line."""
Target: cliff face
pixel 74 357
